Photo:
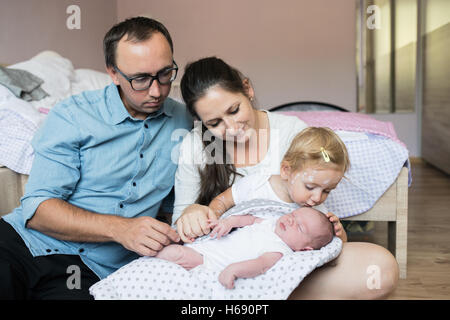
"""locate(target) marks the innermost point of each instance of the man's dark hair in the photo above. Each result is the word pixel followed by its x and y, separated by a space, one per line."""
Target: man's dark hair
pixel 137 29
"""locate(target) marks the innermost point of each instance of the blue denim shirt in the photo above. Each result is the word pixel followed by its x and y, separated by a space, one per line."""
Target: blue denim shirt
pixel 91 153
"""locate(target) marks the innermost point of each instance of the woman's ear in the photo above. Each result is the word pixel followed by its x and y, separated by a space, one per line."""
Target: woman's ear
pixel 285 170
pixel 248 89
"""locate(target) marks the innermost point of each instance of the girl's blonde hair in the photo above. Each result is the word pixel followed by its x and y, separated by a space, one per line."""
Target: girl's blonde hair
pixel 313 146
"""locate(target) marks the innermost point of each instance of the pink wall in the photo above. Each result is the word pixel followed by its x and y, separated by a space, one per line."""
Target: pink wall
pixel 28 27
pixel 291 49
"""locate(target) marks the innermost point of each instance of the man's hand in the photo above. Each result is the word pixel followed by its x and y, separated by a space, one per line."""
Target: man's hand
pixel 194 222
pixel 144 235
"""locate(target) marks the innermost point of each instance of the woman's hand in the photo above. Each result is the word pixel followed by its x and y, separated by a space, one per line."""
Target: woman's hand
pixel 338 228
pixel 194 222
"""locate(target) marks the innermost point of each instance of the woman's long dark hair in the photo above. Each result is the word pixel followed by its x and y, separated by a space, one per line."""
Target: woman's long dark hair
pixel 198 78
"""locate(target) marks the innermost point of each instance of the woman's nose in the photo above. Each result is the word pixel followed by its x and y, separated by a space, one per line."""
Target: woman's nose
pixel 231 126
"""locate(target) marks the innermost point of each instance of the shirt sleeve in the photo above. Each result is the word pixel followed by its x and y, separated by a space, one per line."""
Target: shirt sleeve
pixel 55 170
pixel 187 177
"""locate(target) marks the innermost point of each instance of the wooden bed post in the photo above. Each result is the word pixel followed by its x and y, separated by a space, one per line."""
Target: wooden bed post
pixel 398 230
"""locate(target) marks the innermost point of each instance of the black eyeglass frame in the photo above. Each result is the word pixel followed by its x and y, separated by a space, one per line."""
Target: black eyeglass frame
pixel 155 77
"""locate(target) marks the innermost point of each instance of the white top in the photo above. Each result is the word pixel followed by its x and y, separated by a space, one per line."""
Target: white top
pixel 242 244
pixel 257 186
pixel 192 157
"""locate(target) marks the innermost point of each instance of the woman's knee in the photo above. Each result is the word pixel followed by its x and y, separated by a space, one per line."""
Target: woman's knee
pixel 381 270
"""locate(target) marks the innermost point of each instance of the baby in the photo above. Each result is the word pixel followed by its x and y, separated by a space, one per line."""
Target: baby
pixel 255 246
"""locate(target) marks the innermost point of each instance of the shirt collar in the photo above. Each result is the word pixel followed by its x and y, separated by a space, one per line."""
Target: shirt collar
pixel 119 113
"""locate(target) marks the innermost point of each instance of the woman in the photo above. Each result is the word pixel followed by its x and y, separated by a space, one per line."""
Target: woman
pixel 233 139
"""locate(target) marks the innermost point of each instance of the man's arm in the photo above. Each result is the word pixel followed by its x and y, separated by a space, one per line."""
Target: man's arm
pixel 248 268
pixel 61 220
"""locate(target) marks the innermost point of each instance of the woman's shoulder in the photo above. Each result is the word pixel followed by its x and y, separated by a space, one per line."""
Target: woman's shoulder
pixel 285 126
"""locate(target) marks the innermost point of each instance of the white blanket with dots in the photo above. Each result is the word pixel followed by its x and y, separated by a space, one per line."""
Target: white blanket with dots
pixel 153 278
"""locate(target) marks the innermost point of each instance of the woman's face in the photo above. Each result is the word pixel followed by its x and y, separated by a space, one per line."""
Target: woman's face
pixel 229 116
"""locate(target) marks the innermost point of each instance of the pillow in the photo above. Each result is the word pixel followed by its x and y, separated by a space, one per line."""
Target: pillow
pixel 87 79
pixel 56 71
pixel 154 278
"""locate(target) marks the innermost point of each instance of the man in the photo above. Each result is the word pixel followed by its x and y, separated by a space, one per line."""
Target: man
pixel 101 171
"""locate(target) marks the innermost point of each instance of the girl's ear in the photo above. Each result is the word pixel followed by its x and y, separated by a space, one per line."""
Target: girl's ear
pixel 285 170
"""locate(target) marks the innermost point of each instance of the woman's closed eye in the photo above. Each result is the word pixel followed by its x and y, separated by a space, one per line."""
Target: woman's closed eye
pixel 233 111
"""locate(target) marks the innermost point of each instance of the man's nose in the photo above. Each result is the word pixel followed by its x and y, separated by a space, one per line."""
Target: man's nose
pixel 154 90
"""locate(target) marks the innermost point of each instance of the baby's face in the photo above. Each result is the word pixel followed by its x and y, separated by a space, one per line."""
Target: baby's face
pixel 298 228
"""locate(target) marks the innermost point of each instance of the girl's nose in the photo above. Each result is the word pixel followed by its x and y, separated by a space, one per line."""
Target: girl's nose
pixel 316 196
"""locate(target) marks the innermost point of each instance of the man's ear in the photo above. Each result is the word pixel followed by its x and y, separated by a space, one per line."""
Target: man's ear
pixel 113 74
pixel 285 170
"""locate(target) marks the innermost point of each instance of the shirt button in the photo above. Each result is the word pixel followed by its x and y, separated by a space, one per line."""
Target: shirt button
pixel 48 250
pixel 121 205
pixel 146 126
pixel 141 155
pixel 134 184
pixel 81 250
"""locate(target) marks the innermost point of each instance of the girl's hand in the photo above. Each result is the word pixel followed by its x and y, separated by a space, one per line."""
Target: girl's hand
pixel 338 228
pixel 194 222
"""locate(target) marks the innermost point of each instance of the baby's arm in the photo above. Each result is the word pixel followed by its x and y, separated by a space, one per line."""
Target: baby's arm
pixel 223 226
pixel 248 268
pixel 222 202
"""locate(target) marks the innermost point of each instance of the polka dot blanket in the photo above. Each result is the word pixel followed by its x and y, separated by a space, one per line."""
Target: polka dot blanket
pixel 154 278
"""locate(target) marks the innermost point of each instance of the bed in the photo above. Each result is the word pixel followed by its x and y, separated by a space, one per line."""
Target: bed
pixel 391 205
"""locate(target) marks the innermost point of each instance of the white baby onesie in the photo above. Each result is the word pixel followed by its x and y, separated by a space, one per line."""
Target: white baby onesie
pixel 257 186
pixel 242 244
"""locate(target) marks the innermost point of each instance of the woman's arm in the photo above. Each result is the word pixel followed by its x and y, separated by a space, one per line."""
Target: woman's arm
pixel 220 204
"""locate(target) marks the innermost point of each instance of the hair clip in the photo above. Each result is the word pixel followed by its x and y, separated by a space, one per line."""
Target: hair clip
pixel 325 155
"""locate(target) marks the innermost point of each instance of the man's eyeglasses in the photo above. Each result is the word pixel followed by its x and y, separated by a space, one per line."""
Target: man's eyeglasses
pixel 144 81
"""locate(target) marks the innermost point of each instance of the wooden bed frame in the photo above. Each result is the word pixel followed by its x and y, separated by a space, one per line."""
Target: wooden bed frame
pixel 391 207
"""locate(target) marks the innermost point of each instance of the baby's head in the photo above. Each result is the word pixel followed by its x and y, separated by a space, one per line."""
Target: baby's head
pixel 305 229
pixel 313 165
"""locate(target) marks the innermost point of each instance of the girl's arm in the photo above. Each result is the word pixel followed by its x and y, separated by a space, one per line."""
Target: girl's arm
pixel 248 268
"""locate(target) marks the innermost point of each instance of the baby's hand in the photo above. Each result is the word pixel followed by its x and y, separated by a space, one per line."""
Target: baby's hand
pixel 227 277
pixel 220 227
pixel 338 228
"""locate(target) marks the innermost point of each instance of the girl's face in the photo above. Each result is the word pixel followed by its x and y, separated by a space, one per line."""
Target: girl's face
pixel 229 116
pixel 310 186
